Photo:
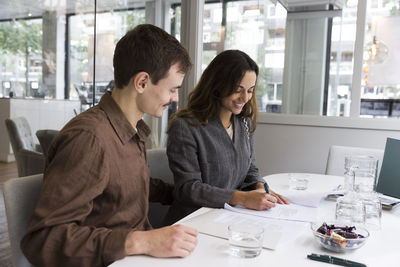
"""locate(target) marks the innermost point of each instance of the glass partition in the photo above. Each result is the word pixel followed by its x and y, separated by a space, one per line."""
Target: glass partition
pixel 58 50
pixel 319 61
pixel 110 27
pixel 21 58
pixel 257 28
pixel 338 93
pixel 380 88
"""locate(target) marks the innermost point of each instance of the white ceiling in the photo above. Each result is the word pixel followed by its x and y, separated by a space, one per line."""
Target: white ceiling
pixel 11 9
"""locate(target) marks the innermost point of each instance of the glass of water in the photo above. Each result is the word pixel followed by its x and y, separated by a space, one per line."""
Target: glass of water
pixel 350 210
pixel 373 210
pixel 298 181
pixel 245 241
pixel 360 173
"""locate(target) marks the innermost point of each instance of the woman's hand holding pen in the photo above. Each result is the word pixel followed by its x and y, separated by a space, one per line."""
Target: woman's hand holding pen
pixel 255 199
pixel 279 198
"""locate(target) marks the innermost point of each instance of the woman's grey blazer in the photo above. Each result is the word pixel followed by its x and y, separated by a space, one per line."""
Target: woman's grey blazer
pixel 207 165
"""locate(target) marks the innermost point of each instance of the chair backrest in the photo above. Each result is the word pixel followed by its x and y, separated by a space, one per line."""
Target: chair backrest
pixel 45 138
pixel 20 134
pixel 337 154
pixel 30 159
pixel 20 198
pixel 159 168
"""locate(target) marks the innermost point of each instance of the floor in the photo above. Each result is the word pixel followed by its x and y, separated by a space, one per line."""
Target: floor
pixel 7 171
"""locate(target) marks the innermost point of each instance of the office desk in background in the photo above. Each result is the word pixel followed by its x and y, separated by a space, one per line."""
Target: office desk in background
pixel 381 250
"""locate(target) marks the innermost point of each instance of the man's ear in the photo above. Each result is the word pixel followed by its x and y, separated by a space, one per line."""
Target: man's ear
pixel 140 81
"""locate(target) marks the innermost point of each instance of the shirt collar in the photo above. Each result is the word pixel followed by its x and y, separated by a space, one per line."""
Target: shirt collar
pixel 120 123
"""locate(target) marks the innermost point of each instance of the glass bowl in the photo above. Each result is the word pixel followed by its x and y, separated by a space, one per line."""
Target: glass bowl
pixel 338 243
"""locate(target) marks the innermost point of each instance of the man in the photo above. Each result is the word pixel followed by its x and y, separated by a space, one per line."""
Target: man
pixel 93 205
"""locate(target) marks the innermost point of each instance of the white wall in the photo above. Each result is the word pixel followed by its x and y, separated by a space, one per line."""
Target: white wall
pixel 290 143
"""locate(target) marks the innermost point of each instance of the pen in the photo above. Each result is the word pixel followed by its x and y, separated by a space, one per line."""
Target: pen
pixel 266 187
pixel 335 260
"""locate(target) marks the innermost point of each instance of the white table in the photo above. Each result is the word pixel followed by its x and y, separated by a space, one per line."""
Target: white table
pixel 381 250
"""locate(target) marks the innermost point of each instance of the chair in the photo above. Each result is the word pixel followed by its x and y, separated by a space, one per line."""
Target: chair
pixel 159 168
pixel 83 98
pixel 45 138
pixel 20 198
pixel 335 163
pixel 30 159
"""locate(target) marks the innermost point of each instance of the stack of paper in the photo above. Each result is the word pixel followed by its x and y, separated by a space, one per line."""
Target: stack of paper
pixel 281 223
pixel 290 212
pixel 303 197
pixel 276 232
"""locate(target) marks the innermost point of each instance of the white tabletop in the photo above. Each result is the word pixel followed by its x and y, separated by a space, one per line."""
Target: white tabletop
pixel 382 248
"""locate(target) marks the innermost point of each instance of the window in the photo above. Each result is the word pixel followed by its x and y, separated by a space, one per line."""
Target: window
pixel 48 53
pixel 338 96
pixel 257 28
pixel 381 74
pixel 21 58
pixel 315 76
pixel 111 26
pixel 175 15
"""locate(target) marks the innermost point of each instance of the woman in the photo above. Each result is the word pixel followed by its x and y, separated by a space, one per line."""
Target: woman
pixel 210 142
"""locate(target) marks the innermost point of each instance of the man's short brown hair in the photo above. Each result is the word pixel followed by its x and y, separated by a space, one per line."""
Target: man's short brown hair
pixel 150 49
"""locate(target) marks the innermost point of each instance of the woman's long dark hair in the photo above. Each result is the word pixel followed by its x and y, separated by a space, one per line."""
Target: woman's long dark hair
pixel 220 79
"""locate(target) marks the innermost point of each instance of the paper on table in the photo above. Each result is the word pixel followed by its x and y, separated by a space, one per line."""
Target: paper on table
pixel 276 233
pixel 290 212
pixel 303 198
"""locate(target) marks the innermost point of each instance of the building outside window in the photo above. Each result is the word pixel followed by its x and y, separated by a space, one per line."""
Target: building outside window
pixel 307 60
pixel 111 26
pixel 21 58
pixel 380 94
pixel 257 28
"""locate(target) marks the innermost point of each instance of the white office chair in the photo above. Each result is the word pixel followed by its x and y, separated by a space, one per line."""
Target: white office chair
pixel 337 154
pixel 20 198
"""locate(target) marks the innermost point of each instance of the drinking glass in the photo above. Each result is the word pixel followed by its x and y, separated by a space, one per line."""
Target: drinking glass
pixel 245 241
pixel 298 181
pixel 350 210
pixel 373 210
pixel 360 173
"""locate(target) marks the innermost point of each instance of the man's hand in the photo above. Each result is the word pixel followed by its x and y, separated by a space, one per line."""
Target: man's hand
pixel 170 241
pixel 255 199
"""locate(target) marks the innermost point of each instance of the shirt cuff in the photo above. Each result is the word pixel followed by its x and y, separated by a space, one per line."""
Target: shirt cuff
pixel 226 197
pixel 114 246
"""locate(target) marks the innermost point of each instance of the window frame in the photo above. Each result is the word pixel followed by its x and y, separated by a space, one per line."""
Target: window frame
pixel 354 121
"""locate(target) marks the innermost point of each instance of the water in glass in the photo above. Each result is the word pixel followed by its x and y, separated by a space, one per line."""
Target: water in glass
pixel 245 241
pixel 360 173
pixel 350 209
pixel 373 210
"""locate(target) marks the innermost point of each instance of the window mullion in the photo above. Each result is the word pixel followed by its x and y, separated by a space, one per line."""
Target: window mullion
pixel 358 59
pixel 192 40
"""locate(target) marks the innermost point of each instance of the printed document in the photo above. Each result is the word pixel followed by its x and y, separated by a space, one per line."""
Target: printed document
pixel 276 232
pixel 306 198
pixel 291 212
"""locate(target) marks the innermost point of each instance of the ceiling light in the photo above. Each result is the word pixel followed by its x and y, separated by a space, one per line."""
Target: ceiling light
pixel 377 51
